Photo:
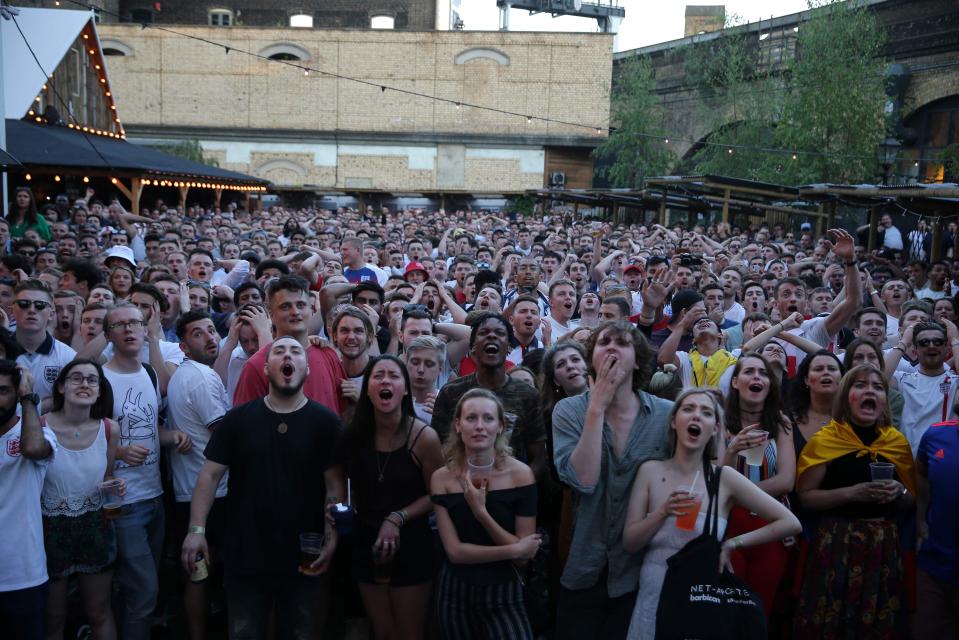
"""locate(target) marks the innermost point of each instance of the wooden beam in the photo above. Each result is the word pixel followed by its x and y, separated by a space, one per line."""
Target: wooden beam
pixel 217 193
pixel 661 217
pixel 136 190
pixel 873 229
pixel 726 195
pixel 122 188
pixel 183 194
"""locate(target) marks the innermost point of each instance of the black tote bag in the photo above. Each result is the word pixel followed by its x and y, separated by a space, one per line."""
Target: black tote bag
pixel 697 601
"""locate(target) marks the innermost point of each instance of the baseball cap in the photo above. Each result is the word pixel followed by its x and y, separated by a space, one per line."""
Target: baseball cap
pixel 684 299
pixel 632 267
pixel 805 226
pixel 414 266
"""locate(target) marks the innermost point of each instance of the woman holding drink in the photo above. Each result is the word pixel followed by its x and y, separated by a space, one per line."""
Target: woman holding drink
pixel 759 445
pixel 78 486
pixel 857 473
pixel 389 456
pixel 487 525
pixel 665 507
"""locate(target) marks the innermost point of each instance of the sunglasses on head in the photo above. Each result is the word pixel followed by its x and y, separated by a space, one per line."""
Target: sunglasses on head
pixel 39 305
pixel 934 342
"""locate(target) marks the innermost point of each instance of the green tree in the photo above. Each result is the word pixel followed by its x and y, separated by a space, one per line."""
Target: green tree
pixel 634 150
pixel 188 150
pixel 827 99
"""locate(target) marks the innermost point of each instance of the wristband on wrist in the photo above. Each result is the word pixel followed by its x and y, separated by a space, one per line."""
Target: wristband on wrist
pixel 195 528
pixel 851 263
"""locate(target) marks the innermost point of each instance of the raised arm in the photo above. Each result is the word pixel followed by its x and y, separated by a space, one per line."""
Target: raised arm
pixel 844 249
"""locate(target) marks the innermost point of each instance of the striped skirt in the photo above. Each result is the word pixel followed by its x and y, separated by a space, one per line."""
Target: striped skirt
pixel 480 612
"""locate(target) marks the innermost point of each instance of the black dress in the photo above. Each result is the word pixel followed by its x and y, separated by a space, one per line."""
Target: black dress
pixel 374 497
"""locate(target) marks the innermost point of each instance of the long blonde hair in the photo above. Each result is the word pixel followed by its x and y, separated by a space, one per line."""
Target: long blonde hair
pixel 455 451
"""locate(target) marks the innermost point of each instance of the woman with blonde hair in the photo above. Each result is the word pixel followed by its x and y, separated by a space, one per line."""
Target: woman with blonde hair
pixel 662 497
pixel 121 280
pixel 485 502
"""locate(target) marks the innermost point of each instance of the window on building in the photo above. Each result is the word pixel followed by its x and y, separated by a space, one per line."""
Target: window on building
pixel 107 51
pixel 220 18
pixel 141 16
pixel 382 22
pixel 301 20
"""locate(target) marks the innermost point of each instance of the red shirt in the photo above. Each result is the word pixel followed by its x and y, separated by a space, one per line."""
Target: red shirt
pixel 322 382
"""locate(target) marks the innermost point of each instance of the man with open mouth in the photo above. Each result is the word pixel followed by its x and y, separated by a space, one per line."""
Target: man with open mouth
pixel 279 452
pixel 291 311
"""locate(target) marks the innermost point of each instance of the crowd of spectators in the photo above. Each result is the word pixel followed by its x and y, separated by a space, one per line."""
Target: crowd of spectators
pixel 459 424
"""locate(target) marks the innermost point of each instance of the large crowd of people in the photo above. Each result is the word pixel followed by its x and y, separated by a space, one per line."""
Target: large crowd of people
pixel 458 424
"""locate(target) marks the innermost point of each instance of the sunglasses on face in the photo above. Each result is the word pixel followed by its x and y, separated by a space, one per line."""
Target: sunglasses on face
pixel 927 342
pixel 39 305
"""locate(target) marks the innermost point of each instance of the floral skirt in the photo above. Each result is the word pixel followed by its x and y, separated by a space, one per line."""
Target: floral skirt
pixel 78 544
pixel 853 586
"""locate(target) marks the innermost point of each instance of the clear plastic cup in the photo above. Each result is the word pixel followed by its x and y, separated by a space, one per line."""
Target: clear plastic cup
pixel 481 468
pixel 754 456
pixel 311 544
pixel 688 522
pixel 112 500
pixel 882 470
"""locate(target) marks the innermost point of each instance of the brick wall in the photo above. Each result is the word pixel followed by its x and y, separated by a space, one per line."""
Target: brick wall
pixel 321 132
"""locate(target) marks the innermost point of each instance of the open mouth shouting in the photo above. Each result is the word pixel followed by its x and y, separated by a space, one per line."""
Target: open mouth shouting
pixel 287 370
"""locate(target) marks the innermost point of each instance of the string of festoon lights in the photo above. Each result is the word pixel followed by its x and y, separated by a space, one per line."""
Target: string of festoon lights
pixel 665 137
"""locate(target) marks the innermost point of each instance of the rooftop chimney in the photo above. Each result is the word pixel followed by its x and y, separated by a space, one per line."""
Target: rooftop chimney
pixel 704 18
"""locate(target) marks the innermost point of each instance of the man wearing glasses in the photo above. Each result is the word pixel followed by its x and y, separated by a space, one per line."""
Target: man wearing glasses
pixel 139 529
pixel 42 354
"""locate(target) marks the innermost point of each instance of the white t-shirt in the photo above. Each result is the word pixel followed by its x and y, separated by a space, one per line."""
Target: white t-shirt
pixel 735 313
pixel 23 560
pixel 45 364
pixel 928 399
pixel 559 330
pixel 195 398
pixel 813 330
pixel 892 238
pixel 929 294
pixel 136 407
pixel 233 370
pixel 170 351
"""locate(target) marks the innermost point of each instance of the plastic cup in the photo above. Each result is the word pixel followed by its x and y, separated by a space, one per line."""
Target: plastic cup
pixel 688 522
pixel 311 544
pixel 343 518
pixel 882 470
pixel 481 468
pixel 754 456
pixel 112 500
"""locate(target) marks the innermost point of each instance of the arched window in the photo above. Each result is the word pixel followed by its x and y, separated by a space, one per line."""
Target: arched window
pixel 113 47
pixel 301 20
pixel 382 22
pixel 936 126
pixel 478 53
pixel 285 51
pixel 220 18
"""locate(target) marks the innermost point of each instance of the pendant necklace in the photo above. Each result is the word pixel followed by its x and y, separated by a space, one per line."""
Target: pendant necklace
pixel 381 470
pixel 282 427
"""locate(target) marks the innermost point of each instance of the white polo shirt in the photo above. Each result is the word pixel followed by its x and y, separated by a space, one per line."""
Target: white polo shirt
pixel 45 363
pixel 928 400
pixel 170 351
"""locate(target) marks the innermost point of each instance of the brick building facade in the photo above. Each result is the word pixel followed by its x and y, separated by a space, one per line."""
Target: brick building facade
pixel 325 134
pixel 414 15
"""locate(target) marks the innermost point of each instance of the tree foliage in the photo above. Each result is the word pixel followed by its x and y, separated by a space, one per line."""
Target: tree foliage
pixel 828 98
pixel 188 150
pixel 633 148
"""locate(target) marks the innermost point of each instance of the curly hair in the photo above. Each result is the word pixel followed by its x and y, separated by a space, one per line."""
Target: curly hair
pixel 645 353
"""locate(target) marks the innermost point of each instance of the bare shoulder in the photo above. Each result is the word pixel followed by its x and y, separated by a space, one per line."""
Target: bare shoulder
pixel 519 472
pixel 441 479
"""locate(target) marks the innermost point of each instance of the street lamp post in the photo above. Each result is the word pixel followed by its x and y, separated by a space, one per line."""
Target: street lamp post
pixel 888 155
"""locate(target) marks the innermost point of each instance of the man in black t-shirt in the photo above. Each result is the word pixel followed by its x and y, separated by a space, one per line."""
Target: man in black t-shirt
pixel 279 452
pixel 489 344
